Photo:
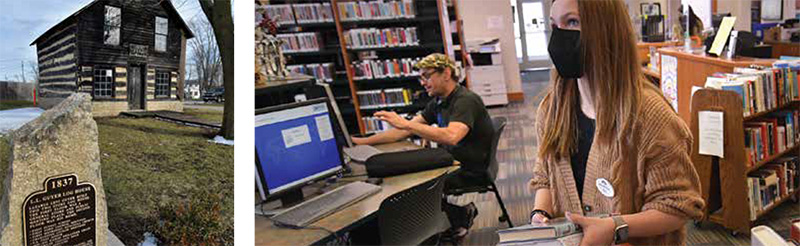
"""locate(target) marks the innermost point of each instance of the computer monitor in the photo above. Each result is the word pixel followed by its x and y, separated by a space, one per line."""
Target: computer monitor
pixel 295 144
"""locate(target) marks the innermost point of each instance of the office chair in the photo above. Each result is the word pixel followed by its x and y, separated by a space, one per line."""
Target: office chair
pixel 413 215
pixel 489 185
pixel 747 45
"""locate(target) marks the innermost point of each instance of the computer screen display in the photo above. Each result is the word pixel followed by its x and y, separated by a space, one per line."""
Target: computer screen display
pixel 295 144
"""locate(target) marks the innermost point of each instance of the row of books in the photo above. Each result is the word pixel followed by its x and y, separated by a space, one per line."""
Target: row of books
pixel 767 137
pixel 299 42
pixel 322 72
pixel 377 38
pixel 762 89
pixel 373 124
pixel 378 69
pixel 376 10
pixel 390 97
pixel 771 183
pixel 300 13
pixel 313 13
pixel 281 13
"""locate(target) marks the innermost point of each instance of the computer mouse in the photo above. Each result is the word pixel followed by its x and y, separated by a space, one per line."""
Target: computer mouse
pixel 375 181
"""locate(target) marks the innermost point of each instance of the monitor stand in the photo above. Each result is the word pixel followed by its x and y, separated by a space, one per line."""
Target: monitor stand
pixel 288 199
pixel 291 198
pixel 346 169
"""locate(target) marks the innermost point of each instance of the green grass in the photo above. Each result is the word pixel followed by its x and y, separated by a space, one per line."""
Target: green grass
pixel 216 104
pixel 212 115
pixel 4 105
pixel 149 163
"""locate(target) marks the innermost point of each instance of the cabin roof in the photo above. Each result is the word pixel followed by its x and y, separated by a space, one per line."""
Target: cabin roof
pixel 167 4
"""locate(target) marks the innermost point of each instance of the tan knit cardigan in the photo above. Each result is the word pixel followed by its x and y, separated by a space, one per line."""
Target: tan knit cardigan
pixel 655 172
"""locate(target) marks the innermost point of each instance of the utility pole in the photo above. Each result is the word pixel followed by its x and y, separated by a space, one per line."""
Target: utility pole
pixel 23 71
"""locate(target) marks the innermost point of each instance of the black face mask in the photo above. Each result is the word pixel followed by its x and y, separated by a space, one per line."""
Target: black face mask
pixel 565 51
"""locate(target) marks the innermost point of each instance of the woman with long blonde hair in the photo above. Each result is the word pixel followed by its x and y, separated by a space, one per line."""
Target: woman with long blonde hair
pixel 609 142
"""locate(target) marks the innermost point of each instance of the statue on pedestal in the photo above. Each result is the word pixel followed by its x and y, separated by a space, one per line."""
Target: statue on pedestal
pixel 270 62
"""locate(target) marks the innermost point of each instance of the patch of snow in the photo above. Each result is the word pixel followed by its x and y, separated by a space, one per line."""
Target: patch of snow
pixel 15 118
pixel 149 240
pixel 221 140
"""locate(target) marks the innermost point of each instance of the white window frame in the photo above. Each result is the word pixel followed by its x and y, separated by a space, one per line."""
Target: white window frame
pixel 103 83
pixel 162 32
pixel 163 84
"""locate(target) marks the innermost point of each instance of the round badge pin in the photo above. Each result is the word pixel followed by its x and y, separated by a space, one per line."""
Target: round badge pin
pixel 605 187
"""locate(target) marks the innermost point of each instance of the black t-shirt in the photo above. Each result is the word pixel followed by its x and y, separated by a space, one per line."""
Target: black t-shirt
pixel 586 127
pixel 462 105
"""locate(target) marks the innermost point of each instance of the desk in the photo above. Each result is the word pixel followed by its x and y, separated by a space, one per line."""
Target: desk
pixel 693 69
pixel 643 49
pixel 267 234
pixel 784 48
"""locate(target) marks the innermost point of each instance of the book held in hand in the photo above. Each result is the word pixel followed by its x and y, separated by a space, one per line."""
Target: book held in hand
pixel 552 231
pixel 571 240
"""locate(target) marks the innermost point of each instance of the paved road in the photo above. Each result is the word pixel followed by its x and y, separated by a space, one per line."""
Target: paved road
pixel 15 118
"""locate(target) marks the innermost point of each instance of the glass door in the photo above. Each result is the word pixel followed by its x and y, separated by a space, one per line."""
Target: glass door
pixel 531 33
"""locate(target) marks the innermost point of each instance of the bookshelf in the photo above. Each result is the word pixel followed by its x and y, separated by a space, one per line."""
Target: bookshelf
pixel 399 21
pixel 725 181
pixel 425 26
pixel 426 37
pixel 403 48
pixel 771 158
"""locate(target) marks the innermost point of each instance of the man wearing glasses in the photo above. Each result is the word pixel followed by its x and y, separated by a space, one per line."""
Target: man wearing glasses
pixel 463 128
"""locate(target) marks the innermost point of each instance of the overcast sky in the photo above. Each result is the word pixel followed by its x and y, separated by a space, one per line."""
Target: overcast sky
pixel 21 21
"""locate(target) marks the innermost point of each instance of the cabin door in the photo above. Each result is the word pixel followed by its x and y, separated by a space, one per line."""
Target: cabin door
pixel 135 87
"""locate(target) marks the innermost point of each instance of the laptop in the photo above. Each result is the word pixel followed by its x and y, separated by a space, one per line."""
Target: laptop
pixel 358 153
pixel 361 153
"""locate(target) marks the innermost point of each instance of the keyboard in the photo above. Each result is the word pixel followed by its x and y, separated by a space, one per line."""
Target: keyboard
pixel 361 153
pixel 318 207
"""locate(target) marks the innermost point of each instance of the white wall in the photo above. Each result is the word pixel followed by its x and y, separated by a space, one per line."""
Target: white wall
pixel 476 14
pixel 702 8
pixel 741 9
pixel 789 9
pixel 738 8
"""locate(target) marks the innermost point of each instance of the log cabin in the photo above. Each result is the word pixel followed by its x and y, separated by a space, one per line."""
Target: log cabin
pixel 129 55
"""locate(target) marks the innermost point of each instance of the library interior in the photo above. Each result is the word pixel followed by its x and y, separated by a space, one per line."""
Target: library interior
pixel 527 122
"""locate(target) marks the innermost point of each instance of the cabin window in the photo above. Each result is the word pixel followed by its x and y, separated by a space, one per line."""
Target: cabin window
pixel 113 21
pixel 162 84
pixel 103 83
pixel 162 25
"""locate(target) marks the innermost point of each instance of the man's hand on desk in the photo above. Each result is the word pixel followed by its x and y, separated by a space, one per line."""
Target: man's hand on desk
pixel 393 119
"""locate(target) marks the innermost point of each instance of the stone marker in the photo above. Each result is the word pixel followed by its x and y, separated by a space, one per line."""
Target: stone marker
pixel 53 190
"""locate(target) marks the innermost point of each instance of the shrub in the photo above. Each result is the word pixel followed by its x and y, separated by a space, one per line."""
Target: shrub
pixel 197 221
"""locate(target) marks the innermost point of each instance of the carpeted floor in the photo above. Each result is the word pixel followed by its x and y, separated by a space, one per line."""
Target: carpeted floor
pixel 516 154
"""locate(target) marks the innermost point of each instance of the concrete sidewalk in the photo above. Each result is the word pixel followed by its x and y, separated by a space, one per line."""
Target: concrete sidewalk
pixel 113 240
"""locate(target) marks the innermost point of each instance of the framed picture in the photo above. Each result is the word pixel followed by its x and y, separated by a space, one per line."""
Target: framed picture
pixel 650 8
pixel 771 10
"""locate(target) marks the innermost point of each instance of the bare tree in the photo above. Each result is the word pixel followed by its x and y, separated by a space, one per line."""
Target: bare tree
pixel 205 58
pixel 33 71
pixel 219 15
